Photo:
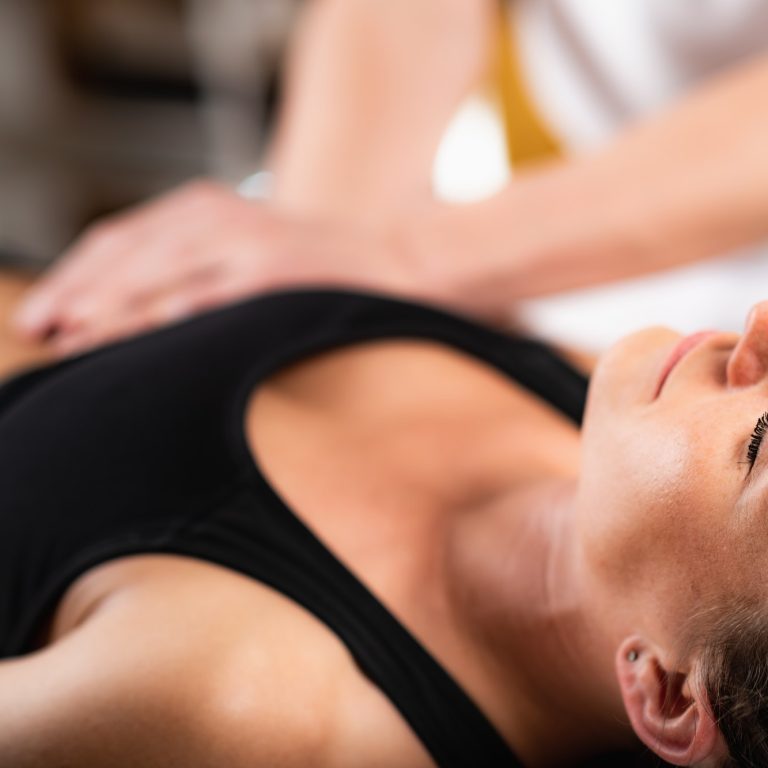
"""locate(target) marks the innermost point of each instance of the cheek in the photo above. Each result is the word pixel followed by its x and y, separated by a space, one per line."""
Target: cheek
pixel 658 516
pixel 642 503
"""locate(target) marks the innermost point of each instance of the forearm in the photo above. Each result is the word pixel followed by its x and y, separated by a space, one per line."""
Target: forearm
pixel 687 185
pixel 369 89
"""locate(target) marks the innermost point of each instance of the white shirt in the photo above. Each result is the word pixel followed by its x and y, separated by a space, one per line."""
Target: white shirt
pixel 593 67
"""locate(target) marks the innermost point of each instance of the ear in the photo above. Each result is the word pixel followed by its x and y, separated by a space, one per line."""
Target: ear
pixel 669 713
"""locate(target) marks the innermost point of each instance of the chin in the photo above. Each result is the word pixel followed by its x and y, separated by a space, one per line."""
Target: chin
pixel 626 376
pixel 628 373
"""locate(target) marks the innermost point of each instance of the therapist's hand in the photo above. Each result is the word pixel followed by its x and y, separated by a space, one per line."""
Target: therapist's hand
pixel 193 249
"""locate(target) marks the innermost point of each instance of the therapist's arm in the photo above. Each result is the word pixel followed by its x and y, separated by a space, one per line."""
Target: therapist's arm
pixel 686 185
pixel 370 87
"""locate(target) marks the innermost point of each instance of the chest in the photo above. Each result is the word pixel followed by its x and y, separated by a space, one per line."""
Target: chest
pixel 378 448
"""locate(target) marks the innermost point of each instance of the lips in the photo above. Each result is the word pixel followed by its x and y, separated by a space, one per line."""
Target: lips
pixel 682 348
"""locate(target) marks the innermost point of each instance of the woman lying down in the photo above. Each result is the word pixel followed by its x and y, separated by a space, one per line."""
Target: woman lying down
pixel 322 528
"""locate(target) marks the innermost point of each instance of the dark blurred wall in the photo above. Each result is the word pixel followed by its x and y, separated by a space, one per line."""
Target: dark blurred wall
pixel 106 102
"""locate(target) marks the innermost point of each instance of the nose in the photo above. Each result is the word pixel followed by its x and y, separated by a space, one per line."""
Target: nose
pixel 748 363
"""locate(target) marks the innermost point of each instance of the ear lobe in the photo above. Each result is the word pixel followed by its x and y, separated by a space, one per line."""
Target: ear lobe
pixel 669 714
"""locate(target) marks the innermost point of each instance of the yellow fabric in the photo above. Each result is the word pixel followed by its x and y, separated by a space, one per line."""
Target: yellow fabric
pixel 528 139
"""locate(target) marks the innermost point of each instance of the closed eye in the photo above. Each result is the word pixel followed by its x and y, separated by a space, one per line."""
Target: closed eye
pixel 756 440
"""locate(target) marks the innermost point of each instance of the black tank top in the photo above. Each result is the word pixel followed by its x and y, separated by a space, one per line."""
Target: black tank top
pixel 140 447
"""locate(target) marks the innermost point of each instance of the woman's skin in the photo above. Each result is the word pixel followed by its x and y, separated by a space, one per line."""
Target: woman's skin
pixel 15 353
pixel 530 561
pixel 353 204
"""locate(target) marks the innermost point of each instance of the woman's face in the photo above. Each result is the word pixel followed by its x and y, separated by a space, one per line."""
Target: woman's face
pixel 671 508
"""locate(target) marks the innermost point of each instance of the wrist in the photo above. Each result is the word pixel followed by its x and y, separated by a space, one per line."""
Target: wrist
pixel 457 254
pixel 426 255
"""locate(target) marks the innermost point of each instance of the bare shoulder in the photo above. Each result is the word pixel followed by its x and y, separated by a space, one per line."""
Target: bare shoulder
pixel 236 676
pixel 15 354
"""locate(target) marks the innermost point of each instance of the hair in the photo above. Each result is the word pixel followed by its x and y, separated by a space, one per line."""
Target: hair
pixel 734 674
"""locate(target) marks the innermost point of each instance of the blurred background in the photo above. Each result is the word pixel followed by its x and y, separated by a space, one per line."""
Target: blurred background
pixel 106 102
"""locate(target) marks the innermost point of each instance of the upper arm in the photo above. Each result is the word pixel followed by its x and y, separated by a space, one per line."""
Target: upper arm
pixel 88 700
pixel 15 354
pixel 124 688
pixel 129 687
pixel 393 73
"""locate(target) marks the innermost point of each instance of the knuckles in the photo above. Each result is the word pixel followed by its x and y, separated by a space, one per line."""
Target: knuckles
pixel 103 236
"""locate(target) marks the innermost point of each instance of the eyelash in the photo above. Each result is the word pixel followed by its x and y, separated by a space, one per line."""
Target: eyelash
pixel 758 433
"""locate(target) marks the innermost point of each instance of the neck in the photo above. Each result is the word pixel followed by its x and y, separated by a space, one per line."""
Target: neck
pixel 525 593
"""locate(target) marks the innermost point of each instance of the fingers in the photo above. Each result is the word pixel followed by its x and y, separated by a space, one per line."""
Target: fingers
pixel 186 252
pixel 141 272
pixel 121 258
pixel 176 303
pixel 39 311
